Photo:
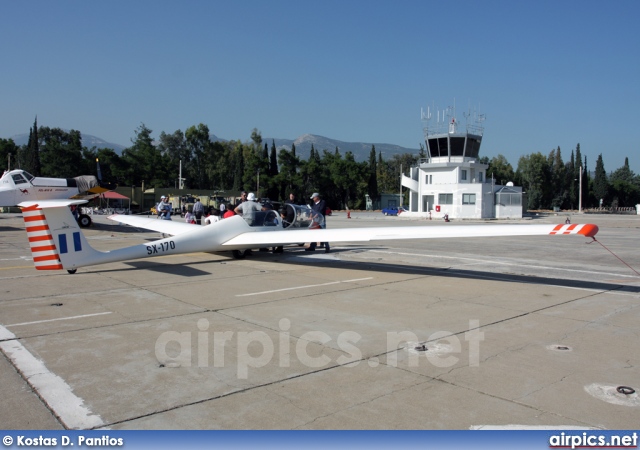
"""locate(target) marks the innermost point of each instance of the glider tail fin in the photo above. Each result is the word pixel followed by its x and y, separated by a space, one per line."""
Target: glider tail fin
pixel 43 249
pixel 54 236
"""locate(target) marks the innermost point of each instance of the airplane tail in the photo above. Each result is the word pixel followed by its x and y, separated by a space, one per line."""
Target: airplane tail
pixel 54 235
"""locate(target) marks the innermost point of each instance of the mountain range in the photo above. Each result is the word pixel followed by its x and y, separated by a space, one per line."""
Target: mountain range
pixel 303 144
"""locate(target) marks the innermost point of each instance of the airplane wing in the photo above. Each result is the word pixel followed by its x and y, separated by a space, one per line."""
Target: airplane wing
pixel 51 203
pixel 392 233
pixel 152 223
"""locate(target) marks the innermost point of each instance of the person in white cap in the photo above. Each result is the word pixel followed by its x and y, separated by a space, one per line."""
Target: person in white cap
pixel 248 209
pixel 164 208
pixel 319 206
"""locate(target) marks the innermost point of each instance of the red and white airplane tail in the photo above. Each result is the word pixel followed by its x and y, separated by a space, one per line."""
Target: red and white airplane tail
pixel 54 235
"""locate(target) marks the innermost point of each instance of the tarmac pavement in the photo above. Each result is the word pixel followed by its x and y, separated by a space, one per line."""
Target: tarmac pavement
pixel 416 334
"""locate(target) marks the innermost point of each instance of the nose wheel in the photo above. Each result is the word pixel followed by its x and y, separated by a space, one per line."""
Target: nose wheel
pixel 72 271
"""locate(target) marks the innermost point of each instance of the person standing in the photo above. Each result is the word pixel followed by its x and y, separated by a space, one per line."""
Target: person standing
pixel 198 211
pixel 292 199
pixel 164 208
pixel 319 206
pixel 249 208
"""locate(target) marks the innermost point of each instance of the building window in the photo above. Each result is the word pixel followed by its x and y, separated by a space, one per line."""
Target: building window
pixel 445 199
pixel 468 199
pixel 507 199
pixel 464 175
pixel 426 179
pixel 481 177
pixel 430 179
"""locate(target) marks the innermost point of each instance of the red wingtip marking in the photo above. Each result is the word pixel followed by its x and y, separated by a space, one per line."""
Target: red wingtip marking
pixel 589 230
pixel 30 208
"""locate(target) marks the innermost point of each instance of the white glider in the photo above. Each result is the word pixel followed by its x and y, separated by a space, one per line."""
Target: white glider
pixel 57 242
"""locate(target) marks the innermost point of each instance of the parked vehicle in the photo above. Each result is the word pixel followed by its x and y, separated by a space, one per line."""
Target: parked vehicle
pixel 393 210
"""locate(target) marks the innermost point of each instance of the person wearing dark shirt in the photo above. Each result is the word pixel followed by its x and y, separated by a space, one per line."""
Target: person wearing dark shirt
pixel 319 206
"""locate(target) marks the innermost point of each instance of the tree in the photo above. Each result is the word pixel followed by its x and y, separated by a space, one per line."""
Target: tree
pixel 289 178
pixel 372 184
pixel 422 154
pixel 600 182
pixel 500 169
pixel 623 173
pixel 273 160
pixel 144 161
pixel 111 164
pixel 256 137
pixel 581 172
pixel 389 180
pixel 274 191
pixel 534 175
pixel 313 172
pixel 8 147
pixel 559 194
pixel 198 145
pixel 61 153
pixel 625 186
pixel 571 181
pixel 382 173
pixel 238 171
pixel 173 148
pixel 29 157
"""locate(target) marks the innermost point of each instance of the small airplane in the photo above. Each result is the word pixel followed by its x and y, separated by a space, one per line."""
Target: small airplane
pixel 18 186
pixel 58 244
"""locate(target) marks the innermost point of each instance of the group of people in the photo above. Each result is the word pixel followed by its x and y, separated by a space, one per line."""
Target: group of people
pixel 246 207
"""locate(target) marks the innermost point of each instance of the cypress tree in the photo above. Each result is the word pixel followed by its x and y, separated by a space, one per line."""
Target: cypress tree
pixel 373 175
pixel 571 180
pixel 600 183
pixel 239 168
pixel 273 163
pixel 31 158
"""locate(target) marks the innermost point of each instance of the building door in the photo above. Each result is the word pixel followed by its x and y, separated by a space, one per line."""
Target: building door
pixel 427 202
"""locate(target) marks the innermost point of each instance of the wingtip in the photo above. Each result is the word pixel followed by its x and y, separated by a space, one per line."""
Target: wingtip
pixel 589 230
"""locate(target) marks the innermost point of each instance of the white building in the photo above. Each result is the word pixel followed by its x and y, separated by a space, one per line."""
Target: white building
pixel 452 181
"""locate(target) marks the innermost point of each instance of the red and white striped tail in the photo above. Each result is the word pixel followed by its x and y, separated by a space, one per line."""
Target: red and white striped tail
pixel 587 229
pixel 43 248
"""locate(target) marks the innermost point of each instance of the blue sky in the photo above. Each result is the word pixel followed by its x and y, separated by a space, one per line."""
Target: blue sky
pixel 545 73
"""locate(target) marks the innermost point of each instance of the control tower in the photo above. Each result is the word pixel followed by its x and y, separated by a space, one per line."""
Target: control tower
pixel 447 141
pixel 451 180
